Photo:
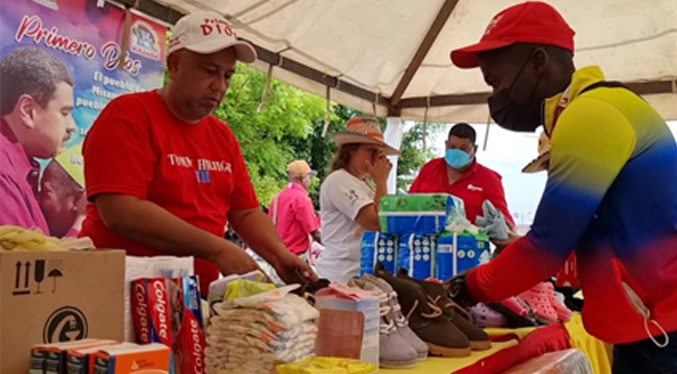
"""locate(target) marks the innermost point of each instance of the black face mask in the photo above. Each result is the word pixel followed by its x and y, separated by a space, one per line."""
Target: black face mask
pixel 522 118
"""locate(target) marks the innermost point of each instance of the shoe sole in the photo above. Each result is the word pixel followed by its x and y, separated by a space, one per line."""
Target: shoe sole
pixel 397 365
pixel 422 357
pixel 480 345
pixel 437 350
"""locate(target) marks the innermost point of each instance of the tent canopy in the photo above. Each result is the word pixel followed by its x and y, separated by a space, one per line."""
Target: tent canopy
pixel 393 55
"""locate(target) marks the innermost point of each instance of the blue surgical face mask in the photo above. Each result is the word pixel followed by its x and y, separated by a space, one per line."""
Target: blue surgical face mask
pixel 457 158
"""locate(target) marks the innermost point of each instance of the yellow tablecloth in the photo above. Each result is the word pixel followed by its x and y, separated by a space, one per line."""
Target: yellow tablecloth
pixel 437 365
pixel 598 353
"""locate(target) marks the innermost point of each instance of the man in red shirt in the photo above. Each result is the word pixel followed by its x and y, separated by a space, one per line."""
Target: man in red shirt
pixel 163 175
pixel 293 213
pixel 459 174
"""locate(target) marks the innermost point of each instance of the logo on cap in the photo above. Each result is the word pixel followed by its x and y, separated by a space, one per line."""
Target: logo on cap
pixel 211 25
pixel 494 22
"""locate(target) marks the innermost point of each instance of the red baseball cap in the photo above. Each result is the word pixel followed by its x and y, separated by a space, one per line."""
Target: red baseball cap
pixel 530 22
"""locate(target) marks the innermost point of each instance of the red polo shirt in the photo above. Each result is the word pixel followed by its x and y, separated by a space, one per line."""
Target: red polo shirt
pixel 295 218
pixel 476 185
pixel 196 172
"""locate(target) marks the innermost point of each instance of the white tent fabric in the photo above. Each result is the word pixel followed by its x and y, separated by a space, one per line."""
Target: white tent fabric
pixel 370 43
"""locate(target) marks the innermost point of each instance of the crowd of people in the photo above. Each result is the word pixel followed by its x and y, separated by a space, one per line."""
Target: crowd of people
pixel 164 176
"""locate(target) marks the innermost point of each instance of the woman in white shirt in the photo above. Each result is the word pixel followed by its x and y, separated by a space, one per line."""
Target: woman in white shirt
pixel 348 204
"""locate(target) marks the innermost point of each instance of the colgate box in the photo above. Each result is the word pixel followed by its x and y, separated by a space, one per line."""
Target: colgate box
pixel 170 312
pixel 152 311
pixel 190 337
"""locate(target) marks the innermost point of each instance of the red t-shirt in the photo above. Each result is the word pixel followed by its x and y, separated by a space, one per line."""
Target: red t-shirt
pixel 476 185
pixel 294 217
pixel 195 171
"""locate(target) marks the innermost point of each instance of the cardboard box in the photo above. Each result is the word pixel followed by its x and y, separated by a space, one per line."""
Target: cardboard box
pixel 78 360
pixel 51 297
pixel 51 358
pixel 141 359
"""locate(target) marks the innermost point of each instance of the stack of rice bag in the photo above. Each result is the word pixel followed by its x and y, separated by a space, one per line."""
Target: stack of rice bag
pixel 253 334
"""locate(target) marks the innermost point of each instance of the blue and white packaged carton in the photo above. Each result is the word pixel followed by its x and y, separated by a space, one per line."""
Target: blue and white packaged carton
pixel 458 252
pixel 423 214
pixel 378 247
pixel 417 254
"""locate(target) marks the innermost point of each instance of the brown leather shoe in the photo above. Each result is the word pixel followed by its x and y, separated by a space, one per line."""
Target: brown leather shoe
pixel 479 340
pixel 426 319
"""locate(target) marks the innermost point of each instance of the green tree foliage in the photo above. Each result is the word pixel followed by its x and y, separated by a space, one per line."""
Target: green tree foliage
pixel 289 127
pixel 413 157
pixel 263 136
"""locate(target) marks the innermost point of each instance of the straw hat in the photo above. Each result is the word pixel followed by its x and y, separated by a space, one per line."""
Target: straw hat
pixel 364 130
pixel 541 162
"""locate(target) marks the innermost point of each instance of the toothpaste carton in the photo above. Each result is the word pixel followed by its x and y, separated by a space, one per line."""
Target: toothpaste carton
pixel 138 359
pixel 51 358
pixel 378 247
pixel 417 254
pixel 189 333
pixel 151 311
pixel 78 359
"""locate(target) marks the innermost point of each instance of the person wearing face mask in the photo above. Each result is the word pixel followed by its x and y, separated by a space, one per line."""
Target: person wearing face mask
pixel 293 213
pixel 610 194
pixel 458 173
pixel 348 202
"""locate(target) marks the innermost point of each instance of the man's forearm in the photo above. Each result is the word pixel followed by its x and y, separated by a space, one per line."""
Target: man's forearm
pixel 257 230
pixel 317 236
pixel 150 225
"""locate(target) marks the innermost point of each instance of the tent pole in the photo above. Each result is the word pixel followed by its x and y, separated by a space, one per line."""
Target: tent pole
pixel 486 135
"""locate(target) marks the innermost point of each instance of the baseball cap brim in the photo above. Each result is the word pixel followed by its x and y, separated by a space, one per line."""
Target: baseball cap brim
pixel 245 52
pixel 468 57
pixel 349 137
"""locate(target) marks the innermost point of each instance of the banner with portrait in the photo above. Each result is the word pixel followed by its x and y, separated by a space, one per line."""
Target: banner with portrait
pixel 47 111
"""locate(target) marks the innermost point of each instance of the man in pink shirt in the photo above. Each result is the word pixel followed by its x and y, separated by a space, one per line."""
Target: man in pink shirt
pixel 36 101
pixel 293 212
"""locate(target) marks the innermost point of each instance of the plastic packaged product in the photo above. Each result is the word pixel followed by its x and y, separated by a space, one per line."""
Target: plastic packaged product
pixel 570 361
pixel 417 254
pixel 458 252
pixel 378 247
pixel 419 213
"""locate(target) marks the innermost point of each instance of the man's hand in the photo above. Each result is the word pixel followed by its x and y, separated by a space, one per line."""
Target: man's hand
pixel 381 170
pixel 502 244
pixel 234 260
pixel 291 269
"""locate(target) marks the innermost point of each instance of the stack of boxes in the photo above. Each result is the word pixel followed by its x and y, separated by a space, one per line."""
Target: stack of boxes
pixel 427 234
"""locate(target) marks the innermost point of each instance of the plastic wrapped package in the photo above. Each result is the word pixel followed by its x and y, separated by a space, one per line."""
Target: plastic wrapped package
pixel 570 361
pixel 423 214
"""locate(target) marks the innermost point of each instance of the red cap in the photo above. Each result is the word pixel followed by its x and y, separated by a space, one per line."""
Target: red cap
pixel 530 22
